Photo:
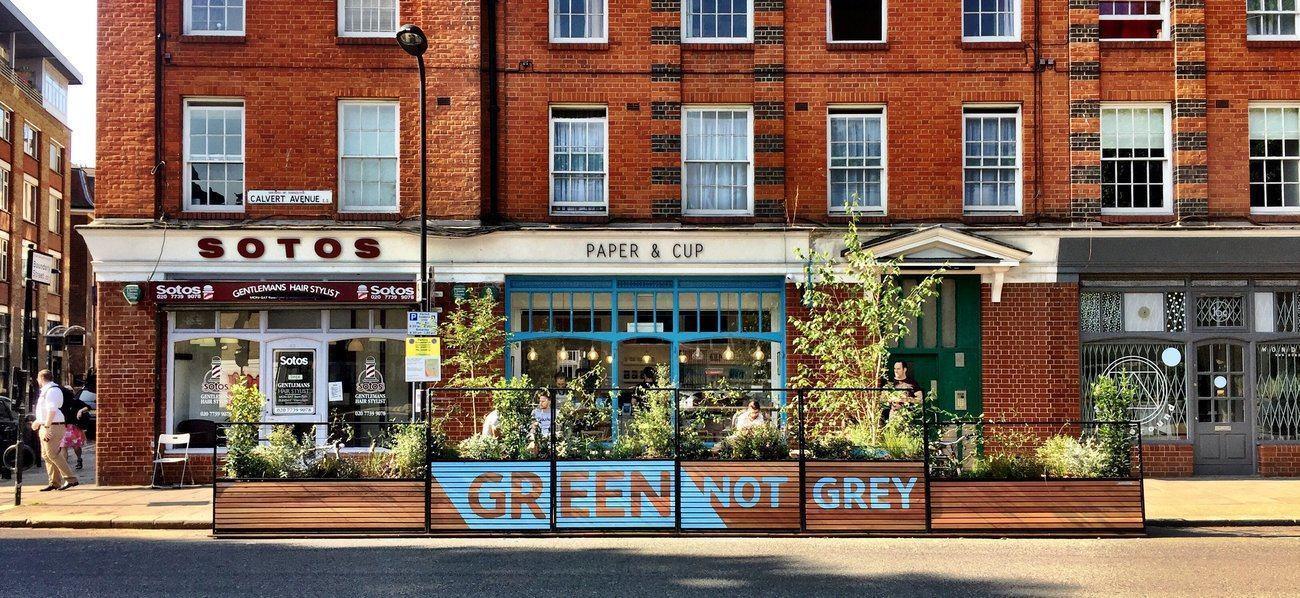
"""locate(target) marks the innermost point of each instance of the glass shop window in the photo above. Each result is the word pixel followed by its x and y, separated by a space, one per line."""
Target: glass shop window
pixel 203 371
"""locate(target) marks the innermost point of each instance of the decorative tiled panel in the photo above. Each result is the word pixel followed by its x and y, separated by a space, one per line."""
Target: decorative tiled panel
pixel 1101 312
pixel 1175 311
pixel 1220 311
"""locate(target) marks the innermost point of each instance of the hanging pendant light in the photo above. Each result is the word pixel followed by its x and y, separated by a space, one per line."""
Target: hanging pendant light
pixel 758 354
pixel 728 354
pixel 562 354
pixel 645 358
pixel 532 354
pixel 609 358
pixel 697 355
pixel 355 345
pixel 681 358
pixel 592 354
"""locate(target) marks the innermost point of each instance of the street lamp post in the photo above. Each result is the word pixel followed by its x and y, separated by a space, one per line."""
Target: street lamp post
pixel 411 38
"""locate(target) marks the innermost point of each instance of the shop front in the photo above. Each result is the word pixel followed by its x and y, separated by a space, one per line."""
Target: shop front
pixel 1214 354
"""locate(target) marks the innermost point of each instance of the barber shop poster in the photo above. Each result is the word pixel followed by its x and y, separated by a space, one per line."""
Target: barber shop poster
pixel 295 378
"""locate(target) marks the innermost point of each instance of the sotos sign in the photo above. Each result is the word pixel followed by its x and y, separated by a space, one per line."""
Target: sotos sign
pixel 270 292
pixel 289 248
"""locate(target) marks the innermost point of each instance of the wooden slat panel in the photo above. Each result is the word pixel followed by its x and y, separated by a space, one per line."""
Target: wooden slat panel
pixel 865 496
pixel 318 506
pixel 728 495
pixel 1112 505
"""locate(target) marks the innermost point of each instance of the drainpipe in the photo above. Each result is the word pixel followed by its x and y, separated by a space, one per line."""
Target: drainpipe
pixel 159 184
pixel 493 112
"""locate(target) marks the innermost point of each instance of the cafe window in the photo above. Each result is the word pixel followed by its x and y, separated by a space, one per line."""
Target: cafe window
pixel 203 371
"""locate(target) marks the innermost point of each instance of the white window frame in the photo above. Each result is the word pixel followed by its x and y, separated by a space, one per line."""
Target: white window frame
pixel 1168 187
pixel 749 110
pixel 1016 17
pixel 189 22
pixel 550 158
pixel 57 151
pixel 6 186
pixel 35 145
pixel 6 123
pixel 190 104
pixel 1252 107
pixel 55 212
pixel 1295 13
pixel 397 144
pixel 342 22
pixel 5 264
pixel 687 38
pixel 972 111
pixel 1163 17
pixel 884 27
pixel 555 37
pixel 31 203
pixel 882 115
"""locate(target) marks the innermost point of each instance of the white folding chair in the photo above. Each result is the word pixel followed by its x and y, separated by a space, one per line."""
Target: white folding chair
pixel 170 442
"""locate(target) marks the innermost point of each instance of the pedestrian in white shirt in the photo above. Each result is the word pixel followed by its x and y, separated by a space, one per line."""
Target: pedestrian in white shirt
pixel 51 426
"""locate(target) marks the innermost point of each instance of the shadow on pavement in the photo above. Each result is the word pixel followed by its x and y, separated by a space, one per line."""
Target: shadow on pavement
pixel 118 566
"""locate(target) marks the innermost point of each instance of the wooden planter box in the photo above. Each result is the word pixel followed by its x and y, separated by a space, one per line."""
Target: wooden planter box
pixel 865 496
pixel 322 506
pixel 1036 506
pixel 740 495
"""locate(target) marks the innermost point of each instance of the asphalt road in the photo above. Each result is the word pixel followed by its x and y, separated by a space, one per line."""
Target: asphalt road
pixel 1254 562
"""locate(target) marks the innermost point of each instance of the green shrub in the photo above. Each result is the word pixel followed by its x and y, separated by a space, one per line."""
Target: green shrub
pixel 481 448
pixel 1004 467
pixel 1067 457
pixel 281 457
pixel 333 467
pixel 649 431
pixel 901 442
pixel 832 447
pixel 1113 401
pixel 245 405
pixel 758 443
pixel 406 450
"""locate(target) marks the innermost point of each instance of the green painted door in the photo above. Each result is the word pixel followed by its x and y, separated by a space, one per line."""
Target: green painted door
pixel 944 345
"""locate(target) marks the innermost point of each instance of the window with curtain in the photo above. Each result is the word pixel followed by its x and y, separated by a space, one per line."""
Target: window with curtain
pixel 214 155
pixel 717 160
pixel 717 20
pixel 1133 19
pixel 578 164
pixel 367 18
pixel 214 17
pixel 31 141
pixel 1271 19
pixel 1275 158
pixel 1135 168
pixel 990 20
pixel 368 156
pixel 992 158
pixel 6 192
pixel 856 154
pixel 578 21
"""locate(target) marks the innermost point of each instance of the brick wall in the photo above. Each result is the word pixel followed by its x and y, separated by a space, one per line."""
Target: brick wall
pixel 1279 460
pixel 1167 460
pixel 129 413
pixel 1031 352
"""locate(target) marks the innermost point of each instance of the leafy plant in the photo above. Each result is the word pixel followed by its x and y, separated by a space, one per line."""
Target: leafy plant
pixel 406 450
pixel 1113 400
pixel 857 309
pixel 901 441
pixel 1002 466
pixel 475 338
pixel 1067 457
pixel 481 448
pixel 245 405
pixel 334 467
pixel 281 457
pixel 581 413
pixel 757 443
pixel 649 432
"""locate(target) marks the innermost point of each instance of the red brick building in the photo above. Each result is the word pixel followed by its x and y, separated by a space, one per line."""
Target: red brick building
pixel 1113 185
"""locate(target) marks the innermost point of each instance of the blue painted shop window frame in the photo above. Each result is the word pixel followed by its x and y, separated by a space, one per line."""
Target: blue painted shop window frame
pixel 774 285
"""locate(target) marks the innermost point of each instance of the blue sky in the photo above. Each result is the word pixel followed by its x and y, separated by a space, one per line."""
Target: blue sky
pixel 70 25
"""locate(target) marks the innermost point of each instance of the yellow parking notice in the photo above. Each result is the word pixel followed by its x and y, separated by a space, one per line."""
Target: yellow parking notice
pixel 423 359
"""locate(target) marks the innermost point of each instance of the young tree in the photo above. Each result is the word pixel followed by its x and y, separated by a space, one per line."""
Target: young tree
pixel 475 339
pixel 857 309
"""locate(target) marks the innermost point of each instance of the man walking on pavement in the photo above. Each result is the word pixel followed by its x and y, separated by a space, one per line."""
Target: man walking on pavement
pixel 50 426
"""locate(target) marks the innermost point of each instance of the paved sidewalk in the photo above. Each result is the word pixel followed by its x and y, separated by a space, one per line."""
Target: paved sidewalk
pixel 1169 502
pixel 90 506
pixel 1223 501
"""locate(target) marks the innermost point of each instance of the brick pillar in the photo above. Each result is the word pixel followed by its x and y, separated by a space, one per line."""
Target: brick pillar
pixel 1085 111
pixel 1191 169
pixel 769 89
pixel 665 109
pixel 128 411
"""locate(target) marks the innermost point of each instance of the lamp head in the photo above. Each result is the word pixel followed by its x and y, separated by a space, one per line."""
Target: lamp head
pixel 411 38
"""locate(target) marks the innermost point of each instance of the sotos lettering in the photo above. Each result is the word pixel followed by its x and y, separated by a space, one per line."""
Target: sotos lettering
pixel 290 360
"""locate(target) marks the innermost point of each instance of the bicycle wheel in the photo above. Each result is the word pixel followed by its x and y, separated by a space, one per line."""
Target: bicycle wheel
pixel 29 458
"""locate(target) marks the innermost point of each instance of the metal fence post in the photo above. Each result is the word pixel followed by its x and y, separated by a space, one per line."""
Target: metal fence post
pixel 554 467
pixel 428 459
pixel 677 460
pixel 216 434
pixel 925 435
pixel 803 463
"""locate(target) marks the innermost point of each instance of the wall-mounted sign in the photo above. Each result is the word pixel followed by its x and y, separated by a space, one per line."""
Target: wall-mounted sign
pixel 423 359
pixel 280 198
pixel 295 382
pixel 336 392
pixel 289 248
pixel 132 293
pixel 44 267
pixel 461 291
pixel 421 323
pixel 645 251
pixel 273 292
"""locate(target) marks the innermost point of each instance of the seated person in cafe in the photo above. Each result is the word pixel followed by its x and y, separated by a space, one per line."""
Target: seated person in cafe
pixel 491 424
pixel 751 417
pixel 542 414
pixel 561 387
pixel 648 382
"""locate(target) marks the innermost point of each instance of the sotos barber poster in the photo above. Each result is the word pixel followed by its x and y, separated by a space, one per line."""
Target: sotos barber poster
pixel 295 383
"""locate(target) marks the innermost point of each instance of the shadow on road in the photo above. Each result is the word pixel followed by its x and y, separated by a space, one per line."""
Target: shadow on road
pixel 116 566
